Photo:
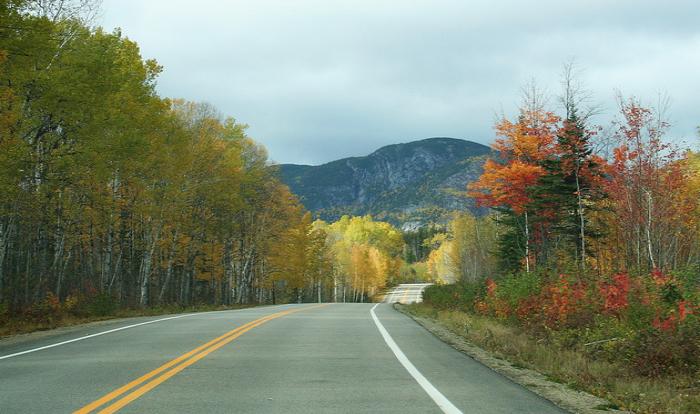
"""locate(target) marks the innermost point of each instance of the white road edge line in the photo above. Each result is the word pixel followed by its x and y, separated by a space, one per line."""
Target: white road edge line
pixel 41 348
pixel 445 405
pixel 92 336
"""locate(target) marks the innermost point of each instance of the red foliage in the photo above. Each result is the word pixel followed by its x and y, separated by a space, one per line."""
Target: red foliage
pixel 481 307
pixel 684 309
pixel 493 304
pixel 491 287
pixel 615 293
pixel 529 309
pixel 52 302
pixel 659 277
pixel 667 324
pixel 561 300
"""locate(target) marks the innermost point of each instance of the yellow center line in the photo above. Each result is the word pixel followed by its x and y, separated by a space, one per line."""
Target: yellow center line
pixel 193 355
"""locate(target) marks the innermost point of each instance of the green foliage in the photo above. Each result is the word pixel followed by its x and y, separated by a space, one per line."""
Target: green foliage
pixel 101 304
pixel 396 184
pixel 417 243
pixel 453 296
pixel 511 241
pixel 515 288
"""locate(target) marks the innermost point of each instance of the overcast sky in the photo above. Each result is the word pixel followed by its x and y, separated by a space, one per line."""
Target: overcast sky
pixel 321 80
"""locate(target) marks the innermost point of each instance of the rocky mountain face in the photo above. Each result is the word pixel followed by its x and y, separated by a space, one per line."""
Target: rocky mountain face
pixel 407 184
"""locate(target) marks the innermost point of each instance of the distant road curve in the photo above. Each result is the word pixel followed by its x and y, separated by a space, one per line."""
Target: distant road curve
pixel 406 293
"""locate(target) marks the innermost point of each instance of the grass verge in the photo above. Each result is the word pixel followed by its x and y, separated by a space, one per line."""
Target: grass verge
pixel 608 380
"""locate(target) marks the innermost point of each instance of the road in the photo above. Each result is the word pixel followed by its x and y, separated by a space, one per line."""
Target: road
pixel 346 358
pixel 406 293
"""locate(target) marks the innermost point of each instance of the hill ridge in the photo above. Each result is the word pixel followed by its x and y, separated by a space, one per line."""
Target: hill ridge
pixel 408 184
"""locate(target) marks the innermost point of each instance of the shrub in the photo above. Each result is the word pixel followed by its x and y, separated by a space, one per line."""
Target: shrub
pixel 47 312
pixel 657 352
pixel 455 296
pixel 513 289
pixel 102 304
pixel 4 313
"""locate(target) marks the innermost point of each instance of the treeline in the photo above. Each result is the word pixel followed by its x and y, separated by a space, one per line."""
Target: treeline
pixel 465 252
pixel 367 256
pixel 591 248
pixel 112 195
pixel 349 260
pixel 565 197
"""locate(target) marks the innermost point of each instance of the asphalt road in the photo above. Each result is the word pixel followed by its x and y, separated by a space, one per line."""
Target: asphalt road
pixel 280 359
pixel 406 293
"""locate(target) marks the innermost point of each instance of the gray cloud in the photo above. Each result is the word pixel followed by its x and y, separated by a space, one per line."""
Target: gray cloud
pixel 320 80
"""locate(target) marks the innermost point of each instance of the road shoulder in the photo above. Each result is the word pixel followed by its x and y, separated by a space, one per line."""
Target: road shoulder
pixel 578 402
pixel 14 342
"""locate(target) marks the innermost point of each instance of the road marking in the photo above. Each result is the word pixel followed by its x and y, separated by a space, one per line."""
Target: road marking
pixel 168 371
pixel 96 334
pixel 404 296
pixel 445 405
pixel 111 331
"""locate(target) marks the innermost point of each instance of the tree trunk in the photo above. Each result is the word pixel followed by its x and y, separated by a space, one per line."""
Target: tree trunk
pixel 648 229
pixel 6 231
pixel 335 287
pixel 168 272
pixel 527 244
pixel 582 221
pixel 146 262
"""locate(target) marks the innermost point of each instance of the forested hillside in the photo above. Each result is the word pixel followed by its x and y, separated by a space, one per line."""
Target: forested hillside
pixel 410 184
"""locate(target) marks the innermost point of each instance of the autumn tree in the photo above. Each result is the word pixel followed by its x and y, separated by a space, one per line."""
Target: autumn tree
pixel 649 187
pixel 366 255
pixel 509 178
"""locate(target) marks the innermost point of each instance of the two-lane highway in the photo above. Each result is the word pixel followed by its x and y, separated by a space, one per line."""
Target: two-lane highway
pixel 280 359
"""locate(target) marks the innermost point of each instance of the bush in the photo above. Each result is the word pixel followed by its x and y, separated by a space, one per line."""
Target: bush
pixel 101 304
pixel 4 313
pixel 649 321
pixel 655 353
pixel 516 287
pixel 455 296
pixel 46 312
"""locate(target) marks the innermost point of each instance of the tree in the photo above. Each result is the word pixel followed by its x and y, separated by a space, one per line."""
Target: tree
pixel 507 181
pixel 648 188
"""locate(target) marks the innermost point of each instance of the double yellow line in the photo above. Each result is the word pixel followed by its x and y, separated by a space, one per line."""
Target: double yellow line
pixel 170 369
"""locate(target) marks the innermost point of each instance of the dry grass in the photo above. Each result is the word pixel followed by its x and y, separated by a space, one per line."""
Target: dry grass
pixel 612 381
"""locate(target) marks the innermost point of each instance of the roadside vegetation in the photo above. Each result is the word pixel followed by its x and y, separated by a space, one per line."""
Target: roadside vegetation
pixel 624 356
pixel 587 267
pixel 55 314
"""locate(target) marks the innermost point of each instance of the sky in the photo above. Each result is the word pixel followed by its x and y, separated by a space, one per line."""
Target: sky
pixel 318 80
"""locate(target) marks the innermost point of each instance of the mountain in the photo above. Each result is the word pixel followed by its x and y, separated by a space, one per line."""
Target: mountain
pixel 407 184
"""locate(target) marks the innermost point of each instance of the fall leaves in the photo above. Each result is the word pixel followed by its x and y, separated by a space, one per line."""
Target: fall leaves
pixel 553 190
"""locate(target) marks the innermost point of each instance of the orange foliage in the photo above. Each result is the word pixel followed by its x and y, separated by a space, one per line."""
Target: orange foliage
pixel 521 148
pixel 615 293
